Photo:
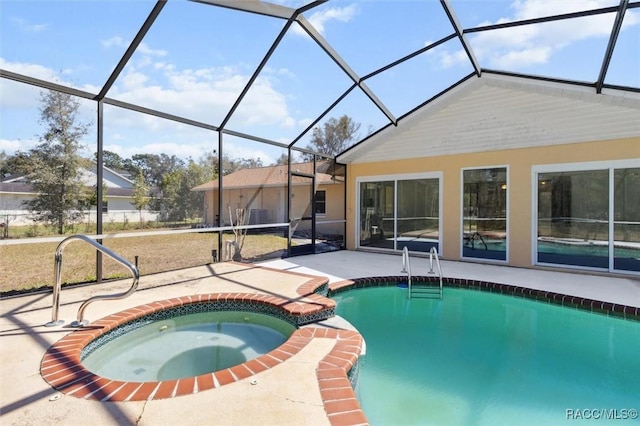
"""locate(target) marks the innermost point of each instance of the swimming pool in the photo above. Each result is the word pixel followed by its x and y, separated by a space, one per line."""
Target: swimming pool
pixel 480 358
pixel 186 346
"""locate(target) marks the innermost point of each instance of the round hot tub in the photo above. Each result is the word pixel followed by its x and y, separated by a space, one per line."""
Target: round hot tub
pixel 174 347
pixel 185 345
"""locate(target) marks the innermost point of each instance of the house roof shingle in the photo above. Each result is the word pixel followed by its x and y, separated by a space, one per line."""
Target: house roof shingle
pixel 269 176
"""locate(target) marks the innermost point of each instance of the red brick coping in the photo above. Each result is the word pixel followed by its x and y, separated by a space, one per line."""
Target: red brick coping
pixel 62 368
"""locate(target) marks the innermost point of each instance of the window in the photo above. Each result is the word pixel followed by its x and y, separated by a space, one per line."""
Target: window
pixel 321 202
pixel 105 207
pixel 484 213
pixel 573 210
pixel 589 216
pixel 626 217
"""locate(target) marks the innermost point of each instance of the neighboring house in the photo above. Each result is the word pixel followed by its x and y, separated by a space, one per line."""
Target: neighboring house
pixel 262 192
pixel 118 206
pixel 507 170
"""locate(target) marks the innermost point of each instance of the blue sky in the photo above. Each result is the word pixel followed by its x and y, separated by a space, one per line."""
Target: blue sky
pixel 197 58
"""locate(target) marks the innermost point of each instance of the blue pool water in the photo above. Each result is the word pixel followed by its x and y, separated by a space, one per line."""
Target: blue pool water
pixel 478 358
pixel 188 345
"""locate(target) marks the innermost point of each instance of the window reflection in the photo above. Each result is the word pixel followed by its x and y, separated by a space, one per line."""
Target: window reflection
pixel 626 228
pixel 408 217
pixel 573 210
pixel 485 213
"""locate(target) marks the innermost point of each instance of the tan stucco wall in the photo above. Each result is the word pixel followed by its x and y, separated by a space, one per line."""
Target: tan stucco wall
pixel 519 163
pixel 272 199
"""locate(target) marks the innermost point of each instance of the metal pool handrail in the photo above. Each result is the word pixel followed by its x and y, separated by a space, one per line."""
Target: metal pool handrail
pixel 434 253
pixel 81 322
pixel 406 266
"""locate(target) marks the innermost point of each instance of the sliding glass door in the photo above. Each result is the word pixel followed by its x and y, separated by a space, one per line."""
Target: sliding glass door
pixel 589 217
pixel 400 212
pixel 573 210
pixel 376 214
pixel 626 219
pixel 418 217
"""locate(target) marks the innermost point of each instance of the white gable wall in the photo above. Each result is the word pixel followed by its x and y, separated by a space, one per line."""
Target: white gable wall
pixel 496 112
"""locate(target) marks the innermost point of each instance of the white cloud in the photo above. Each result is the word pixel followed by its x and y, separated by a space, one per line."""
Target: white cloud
pixel 205 94
pixel 133 80
pixel 143 48
pixel 449 59
pixel 524 46
pixel 113 41
pixel 32 70
pixel 305 122
pixel 321 18
pixel 342 14
pixel 10 146
pixel 25 26
pixel 522 58
pixel 146 50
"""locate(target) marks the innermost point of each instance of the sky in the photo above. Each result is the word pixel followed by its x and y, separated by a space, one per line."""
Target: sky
pixel 197 58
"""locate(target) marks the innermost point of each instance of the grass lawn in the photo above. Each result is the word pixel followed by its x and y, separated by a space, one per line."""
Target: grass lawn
pixel 31 266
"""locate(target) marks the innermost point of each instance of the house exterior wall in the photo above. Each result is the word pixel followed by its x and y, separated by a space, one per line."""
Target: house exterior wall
pixel 519 163
pixel 269 199
pixel 119 209
pixel 335 211
pixel 272 199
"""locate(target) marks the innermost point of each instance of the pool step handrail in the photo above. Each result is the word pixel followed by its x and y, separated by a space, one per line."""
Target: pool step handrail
pixel 406 267
pixel 433 254
pixel 423 291
pixel 80 321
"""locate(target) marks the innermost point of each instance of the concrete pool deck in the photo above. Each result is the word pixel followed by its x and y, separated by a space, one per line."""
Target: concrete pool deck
pixel 288 393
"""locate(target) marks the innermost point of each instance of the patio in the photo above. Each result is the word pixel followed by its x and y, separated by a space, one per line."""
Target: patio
pixel 288 393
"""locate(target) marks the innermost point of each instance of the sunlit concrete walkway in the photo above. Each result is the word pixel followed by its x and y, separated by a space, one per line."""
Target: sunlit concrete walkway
pixel 285 394
pixel 341 265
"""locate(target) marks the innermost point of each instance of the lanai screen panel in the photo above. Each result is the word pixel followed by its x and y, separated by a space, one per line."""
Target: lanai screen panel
pixel 625 58
pixel 298 82
pixel 412 82
pixel 372 35
pixel 571 49
pixel 194 63
pixel 37 38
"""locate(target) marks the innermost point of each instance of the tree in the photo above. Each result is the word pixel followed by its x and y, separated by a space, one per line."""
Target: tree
pixel 249 163
pixel 153 166
pixel 12 164
pixel 169 192
pixel 3 168
pixel 54 165
pixel 90 195
pixel 335 136
pixel 229 165
pixel 192 202
pixel 111 160
pixel 178 202
pixel 283 160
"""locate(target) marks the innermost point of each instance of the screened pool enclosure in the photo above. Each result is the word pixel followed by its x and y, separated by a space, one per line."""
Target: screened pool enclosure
pixel 214 110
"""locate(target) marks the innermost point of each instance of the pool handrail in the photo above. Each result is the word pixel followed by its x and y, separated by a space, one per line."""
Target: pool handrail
pixel 434 253
pixel 57 287
pixel 406 267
